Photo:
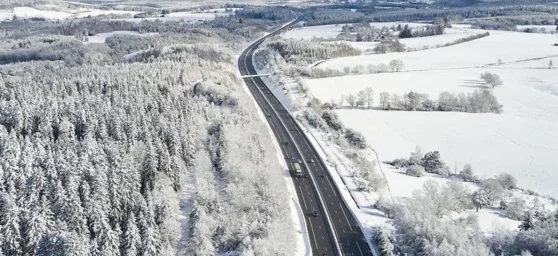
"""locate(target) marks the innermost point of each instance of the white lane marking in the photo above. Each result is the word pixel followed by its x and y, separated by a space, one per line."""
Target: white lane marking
pixel 359 249
pixel 304 201
pixel 313 235
pixel 331 187
pixel 289 119
pixel 345 216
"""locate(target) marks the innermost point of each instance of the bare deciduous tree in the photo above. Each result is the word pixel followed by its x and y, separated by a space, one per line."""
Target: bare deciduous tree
pixel 396 65
pixel 491 79
pixel 351 99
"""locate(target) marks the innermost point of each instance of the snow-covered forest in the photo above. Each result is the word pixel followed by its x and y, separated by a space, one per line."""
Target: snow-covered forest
pixel 100 143
pixel 337 16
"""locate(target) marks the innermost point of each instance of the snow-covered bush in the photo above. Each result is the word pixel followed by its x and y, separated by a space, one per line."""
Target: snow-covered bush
pixel 515 209
pixel 312 118
pixel 386 206
pixel 537 236
pixel 333 121
pixel 386 241
pixel 415 170
pixel 507 180
pixel 467 173
pixel 355 138
pixel 399 163
pixel 421 226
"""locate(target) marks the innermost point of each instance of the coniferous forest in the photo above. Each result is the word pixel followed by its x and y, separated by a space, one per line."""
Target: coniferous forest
pixel 144 145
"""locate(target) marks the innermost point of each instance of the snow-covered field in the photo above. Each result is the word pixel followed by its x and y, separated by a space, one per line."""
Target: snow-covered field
pixel 325 31
pixel 522 141
pixel 420 43
pixel 507 46
pixel 332 31
pixel 401 185
pixel 547 28
pixel 186 16
pixel 101 37
pixel 28 12
pixel 95 12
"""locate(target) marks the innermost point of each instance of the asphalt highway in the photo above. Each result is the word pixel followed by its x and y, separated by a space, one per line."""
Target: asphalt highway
pixel 334 230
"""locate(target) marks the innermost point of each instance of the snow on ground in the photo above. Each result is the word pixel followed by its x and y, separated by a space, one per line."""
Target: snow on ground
pixel 187 196
pixel 542 63
pixel 421 43
pixel 28 12
pixel 186 16
pixel 331 31
pixel 401 185
pixel 94 12
pixel 325 31
pixel 490 220
pixel 547 28
pixel 6 15
pixel 508 46
pixel 101 37
pixel 521 141
pixel 360 204
pixel 302 240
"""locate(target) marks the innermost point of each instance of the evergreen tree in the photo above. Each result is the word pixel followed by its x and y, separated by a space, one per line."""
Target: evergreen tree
pixel 132 239
pixel 431 162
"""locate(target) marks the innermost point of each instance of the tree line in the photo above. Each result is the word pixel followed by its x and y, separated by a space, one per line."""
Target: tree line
pixel 479 101
pixel 306 52
pixel 423 216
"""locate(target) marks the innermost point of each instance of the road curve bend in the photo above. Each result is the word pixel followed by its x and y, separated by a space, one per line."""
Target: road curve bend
pixel 332 229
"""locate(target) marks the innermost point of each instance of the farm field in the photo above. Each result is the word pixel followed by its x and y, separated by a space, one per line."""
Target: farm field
pixel 331 32
pixel 510 47
pixel 101 37
pixel 521 141
pixel 28 12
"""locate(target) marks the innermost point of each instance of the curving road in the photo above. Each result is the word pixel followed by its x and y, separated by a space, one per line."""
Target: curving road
pixel 334 231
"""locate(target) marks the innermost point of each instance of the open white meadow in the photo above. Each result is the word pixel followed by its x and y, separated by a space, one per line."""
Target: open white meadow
pixel 101 37
pixel 57 13
pixel 331 32
pixel 522 141
pixel 510 47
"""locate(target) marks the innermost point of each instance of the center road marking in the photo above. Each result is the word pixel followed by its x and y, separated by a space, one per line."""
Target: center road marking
pixel 331 186
pixel 313 235
pixel 302 195
pixel 345 217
